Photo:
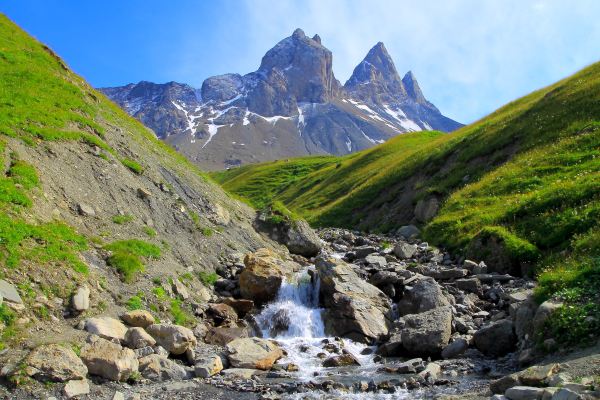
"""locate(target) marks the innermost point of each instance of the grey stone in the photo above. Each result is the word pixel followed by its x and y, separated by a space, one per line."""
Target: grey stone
pixel 472 285
pixel 175 339
pixel 106 327
pixel 137 338
pixel 424 295
pixel 9 292
pixel 405 250
pixel 377 261
pixel 496 339
pixel 109 360
pixel 427 333
pixel 409 231
pixel 54 363
pixel 455 348
pixel 86 210
pixel 158 368
pixel 524 393
pixel 566 394
pixel 208 367
pixel 81 299
pixel 76 388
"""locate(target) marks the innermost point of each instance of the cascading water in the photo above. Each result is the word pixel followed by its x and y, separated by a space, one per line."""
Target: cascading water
pixel 295 321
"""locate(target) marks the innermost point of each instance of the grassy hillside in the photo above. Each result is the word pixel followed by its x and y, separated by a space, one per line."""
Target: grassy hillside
pixel 519 189
pixel 88 195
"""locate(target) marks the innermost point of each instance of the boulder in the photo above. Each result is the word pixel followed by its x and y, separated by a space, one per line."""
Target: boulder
pixel 543 312
pixel 566 394
pixel 76 388
pixel 408 231
pixel 455 348
pixel 158 368
pixel 106 327
pixel 9 293
pixel 175 339
pixel 222 335
pixel 208 367
pixel 222 313
pixel 524 393
pixel 241 306
pixel 54 363
pixel 501 385
pixel 302 239
pixel 86 210
pixel 537 375
pixel 376 260
pixel 137 338
pixel 496 339
pixel 81 299
pixel 471 285
pixel 138 318
pixel 384 278
pixel 108 360
pixel 353 307
pixel 180 290
pixel 405 250
pixel 427 333
pixel 364 250
pixel 424 295
pixel 340 361
pixel 253 353
pixel 262 277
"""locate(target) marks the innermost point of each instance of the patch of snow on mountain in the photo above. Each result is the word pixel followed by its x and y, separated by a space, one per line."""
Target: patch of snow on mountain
pixel 227 102
pixel 348 143
pixel 246 121
pixel 396 114
pixel 368 137
pixel 212 131
pixel 190 118
pixel 274 118
pixel 427 126
pixel 410 125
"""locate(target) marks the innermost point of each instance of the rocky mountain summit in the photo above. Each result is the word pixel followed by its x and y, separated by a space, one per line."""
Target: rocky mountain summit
pixel 291 106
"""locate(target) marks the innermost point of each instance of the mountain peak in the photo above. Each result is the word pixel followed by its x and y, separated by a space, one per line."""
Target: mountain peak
pixel 298 33
pixel 412 87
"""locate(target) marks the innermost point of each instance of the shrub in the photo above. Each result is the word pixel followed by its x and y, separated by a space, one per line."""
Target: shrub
pixel 135 302
pixel 122 219
pixel 135 246
pixel 132 165
pixel 208 278
pixel 179 314
pixel 128 264
pixel 149 231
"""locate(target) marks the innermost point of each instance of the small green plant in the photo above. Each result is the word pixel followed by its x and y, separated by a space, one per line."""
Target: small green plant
pixel 135 302
pixel 76 347
pixel 386 244
pixel 208 278
pixel 195 218
pixel 157 280
pixel 149 231
pixel 160 293
pixel 122 219
pixel 102 306
pixel 132 165
pixel 206 231
pixel 179 314
pixel 135 246
pixel 186 277
pixel 128 264
pixel 42 312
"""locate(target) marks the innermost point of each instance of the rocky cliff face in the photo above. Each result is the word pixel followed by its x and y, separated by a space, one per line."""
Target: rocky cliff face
pixel 291 106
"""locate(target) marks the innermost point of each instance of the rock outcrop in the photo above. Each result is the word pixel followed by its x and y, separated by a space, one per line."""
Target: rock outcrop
pixel 253 353
pixel 262 277
pixel 109 360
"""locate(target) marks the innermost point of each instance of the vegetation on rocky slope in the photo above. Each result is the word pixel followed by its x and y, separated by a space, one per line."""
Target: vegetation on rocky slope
pixel 525 180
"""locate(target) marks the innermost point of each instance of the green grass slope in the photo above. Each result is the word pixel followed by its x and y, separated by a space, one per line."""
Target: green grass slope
pixel 519 188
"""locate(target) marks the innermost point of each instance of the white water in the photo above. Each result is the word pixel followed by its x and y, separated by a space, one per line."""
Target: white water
pixel 298 301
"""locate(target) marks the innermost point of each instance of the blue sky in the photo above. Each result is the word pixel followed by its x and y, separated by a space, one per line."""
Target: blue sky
pixel 470 56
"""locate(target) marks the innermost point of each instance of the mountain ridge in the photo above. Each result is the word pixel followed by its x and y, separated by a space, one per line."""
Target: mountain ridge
pixel 292 105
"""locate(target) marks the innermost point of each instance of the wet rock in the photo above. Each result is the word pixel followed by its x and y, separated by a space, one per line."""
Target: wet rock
pixel 253 353
pixel 223 335
pixel 262 277
pixel 431 371
pixel 208 367
pixel 280 322
pixel 81 299
pixel 427 333
pixel 354 308
pixel 106 327
pixel 138 318
pixel 301 239
pixel 524 393
pixel 174 338
pixel 76 388
pixel 496 339
pixel 501 385
pixel 158 368
pixel 340 361
pixel 424 295
pixel 109 360
pixel 455 348
pixel 137 338
pixel 54 363
pixel 241 306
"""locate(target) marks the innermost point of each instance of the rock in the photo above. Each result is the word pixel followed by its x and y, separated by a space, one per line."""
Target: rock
pixel 405 250
pixel 537 375
pixel 302 239
pixel 496 339
pixel 240 373
pixel 426 209
pixel 455 348
pixel 109 360
pixel 425 295
pixel 158 368
pixel 559 379
pixel 340 361
pixel 409 231
pixel 241 306
pixel 253 353
pixel 106 327
pixel 144 193
pixel 471 285
pixel 81 299
pixel 222 313
pixel 85 210
pixel 76 388
pixel 566 394
pixel 501 385
pixel 364 250
pixel 427 333
pixel 544 311
pixel 448 273
pixel 9 293
pixel 180 289
pixel 138 318
pixel 262 277
pixel 411 366
pixel 353 307
pixel 118 396
pixel 137 338
pixel 432 371
pixel 377 261
pixel 523 319
pixel 54 363
pixel 223 335
pixel 524 393
pixel 520 295
pixel 384 278
pixel 208 367
pixel 144 351
pixel 174 338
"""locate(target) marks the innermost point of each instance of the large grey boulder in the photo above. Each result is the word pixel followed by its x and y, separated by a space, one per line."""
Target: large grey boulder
pixel 108 359
pixel 76 388
pixel 253 353
pixel 427 333
pixel 424 295
pixel 9 292
pixel 175 339
pixel 262 277
pixel 54 363
pixel 404 250
pixel 207 367
pixel 524 393
pixel 81 299
pixel 455 348
pixel 106 327
pixel 496 339
pixel 408 231
pixel 302 239
pixel 159 368
pixel 137 338
pixel 353 307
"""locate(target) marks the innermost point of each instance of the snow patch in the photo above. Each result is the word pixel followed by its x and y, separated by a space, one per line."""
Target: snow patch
pixel 348 144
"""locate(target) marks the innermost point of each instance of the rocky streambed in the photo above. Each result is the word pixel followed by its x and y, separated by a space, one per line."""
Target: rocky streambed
pixel 364 317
